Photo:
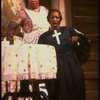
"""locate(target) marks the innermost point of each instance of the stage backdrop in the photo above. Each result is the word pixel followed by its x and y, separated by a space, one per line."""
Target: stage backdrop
pixel 8 9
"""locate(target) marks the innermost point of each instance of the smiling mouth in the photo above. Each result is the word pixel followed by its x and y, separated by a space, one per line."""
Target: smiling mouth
pixel 54 23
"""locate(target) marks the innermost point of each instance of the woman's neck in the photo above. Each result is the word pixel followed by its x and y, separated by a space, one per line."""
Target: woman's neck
pixel 54 28
pixel 37 9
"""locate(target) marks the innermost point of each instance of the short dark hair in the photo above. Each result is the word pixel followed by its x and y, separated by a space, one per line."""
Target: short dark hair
pixel 26 2
pixel 54 10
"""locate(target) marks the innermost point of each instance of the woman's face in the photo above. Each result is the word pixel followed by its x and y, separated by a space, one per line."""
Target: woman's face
pixel 55 20
pixel 34 3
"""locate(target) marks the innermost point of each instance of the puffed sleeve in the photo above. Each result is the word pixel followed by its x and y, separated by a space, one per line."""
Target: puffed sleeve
pixel 13 24
pixel 82 47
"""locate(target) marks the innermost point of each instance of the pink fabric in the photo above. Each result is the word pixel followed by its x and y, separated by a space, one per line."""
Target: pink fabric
pixel 20 17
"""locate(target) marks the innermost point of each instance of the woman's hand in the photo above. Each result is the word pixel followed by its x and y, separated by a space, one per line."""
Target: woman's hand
pixel 10 38
pixel 74 39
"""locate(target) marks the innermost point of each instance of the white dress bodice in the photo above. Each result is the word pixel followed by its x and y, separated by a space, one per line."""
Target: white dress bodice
pixel 40 25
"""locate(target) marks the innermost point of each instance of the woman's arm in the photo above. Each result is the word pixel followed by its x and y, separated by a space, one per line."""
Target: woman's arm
pixel 14 24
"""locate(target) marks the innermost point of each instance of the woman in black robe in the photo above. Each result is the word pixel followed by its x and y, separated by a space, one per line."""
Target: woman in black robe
pixel 73 49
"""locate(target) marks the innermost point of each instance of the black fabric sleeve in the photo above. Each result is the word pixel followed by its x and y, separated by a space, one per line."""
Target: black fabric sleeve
pixel 82 47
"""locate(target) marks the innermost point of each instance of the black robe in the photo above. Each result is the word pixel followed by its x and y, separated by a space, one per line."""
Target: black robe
pixel 70 78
